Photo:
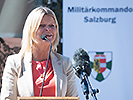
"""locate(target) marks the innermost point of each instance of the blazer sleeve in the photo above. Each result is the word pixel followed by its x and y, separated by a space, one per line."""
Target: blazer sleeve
pixel 71 80
pixel 9 80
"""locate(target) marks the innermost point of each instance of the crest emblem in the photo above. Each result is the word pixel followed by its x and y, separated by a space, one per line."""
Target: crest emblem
pixel 101 64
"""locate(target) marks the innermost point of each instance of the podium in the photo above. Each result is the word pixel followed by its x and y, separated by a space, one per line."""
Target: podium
pixel 48 98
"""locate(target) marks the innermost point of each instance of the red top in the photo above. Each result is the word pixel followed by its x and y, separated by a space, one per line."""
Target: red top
pixel 38 70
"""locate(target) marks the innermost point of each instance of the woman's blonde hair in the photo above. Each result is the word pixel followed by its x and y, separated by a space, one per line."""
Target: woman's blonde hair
pixel 32 24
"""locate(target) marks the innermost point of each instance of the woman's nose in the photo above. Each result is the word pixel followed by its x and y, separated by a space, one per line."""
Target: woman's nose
pixel 46 28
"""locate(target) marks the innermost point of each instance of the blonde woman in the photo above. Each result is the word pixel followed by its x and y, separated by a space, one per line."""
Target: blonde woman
pixel 23 73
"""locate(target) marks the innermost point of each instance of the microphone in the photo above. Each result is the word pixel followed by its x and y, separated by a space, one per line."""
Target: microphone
pixel 43 37
pixel 81 64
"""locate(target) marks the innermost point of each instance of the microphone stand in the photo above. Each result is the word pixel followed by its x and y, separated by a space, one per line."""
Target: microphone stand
pixel 46 66
pixel 93 91
pixel 84 84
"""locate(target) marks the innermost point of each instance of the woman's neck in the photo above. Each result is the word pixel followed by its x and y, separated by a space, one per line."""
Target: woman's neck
pixel 39 53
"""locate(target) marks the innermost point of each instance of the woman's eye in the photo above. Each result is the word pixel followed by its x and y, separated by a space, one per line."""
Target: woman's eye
pixel 52 25
pixel 44 25
pixel 41 25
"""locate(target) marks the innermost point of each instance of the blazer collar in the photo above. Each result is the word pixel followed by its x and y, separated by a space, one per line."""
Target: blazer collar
pixel 54 57
pixel 58 72
pixel 28 57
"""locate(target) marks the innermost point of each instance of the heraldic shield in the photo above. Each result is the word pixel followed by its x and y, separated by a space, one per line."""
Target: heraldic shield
pixel 101 64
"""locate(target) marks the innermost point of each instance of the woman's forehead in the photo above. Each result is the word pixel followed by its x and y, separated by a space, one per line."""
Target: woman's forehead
pixel 47 19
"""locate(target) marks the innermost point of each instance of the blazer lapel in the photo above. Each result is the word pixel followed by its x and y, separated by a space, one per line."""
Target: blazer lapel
pixel 26 80
pixel 28 72
pixel 57 64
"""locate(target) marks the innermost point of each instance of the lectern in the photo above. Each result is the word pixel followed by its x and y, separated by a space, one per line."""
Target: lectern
pixel 48 98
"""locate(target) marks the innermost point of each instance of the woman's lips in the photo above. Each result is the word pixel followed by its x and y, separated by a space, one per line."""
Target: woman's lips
pixel 48 35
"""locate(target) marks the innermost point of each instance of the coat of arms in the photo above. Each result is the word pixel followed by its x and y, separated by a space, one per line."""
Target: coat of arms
pixel 101 64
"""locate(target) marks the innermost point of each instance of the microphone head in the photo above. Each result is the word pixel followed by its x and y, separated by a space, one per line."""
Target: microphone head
pixel 81 61
pixel 43 37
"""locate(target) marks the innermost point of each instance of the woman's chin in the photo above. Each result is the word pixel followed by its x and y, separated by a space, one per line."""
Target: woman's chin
pixel 51 40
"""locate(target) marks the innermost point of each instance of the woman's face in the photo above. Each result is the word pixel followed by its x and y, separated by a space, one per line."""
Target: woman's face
pixel 47 27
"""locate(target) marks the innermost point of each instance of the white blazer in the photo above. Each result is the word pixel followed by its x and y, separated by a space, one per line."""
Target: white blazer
pixel 17 78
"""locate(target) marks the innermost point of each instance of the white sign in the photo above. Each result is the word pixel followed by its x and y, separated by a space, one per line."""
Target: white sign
pixel 102 26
